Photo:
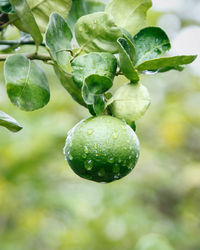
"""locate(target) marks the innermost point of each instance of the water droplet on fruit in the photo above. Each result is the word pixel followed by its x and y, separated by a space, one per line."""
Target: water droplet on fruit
pixel 89 165
pixel 86 149
pixel 90 131
pixel 101 172
pixel 111 160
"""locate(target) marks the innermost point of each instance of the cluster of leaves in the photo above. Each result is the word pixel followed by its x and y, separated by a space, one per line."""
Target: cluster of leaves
pixel 110 42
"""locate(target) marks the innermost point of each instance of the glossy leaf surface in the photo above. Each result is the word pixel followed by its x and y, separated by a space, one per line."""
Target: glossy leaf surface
pixel 26 83
pixel 9 122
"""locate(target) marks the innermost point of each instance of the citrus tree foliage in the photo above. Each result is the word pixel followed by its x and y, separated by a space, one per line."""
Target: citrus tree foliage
pixel 88 44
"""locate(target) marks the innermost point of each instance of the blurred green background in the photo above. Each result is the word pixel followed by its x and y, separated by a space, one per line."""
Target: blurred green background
pixel 45 206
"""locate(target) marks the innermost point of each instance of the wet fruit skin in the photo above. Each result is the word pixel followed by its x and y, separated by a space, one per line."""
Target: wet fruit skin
pixel 102 149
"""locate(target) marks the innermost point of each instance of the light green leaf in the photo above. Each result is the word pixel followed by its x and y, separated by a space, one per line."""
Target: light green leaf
pixel 129 14
pixel 26 83
pixel 99 104
pixel 26 17
pixel 68 83
pixel 9 122
pixel 103 64
pixel 6 7
pixel 97 32
pixel 81 8
pixel 150 43
pixel 58 40
pixel 125 63
pixel 166 63
pixel 41 10
pixel 98 84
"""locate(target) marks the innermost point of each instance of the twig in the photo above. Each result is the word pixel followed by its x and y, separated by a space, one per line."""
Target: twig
pixel 31 56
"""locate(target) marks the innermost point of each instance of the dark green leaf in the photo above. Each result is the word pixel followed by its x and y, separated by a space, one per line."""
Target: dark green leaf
pixel 150 43
pixel 166 63
pixel 103 64
pixel 68 83
pixel 26 83
pixel 97 32
pixel 58 39
pixel 9 122
pixel 98 84
pixel 6 7
pixel 99 104
pixel 41 10
pixel 23 12
pixel 125 63
pixel 129 14
pixel 133 126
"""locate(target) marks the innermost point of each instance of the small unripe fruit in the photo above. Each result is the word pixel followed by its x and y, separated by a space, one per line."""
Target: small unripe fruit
pixel 102 149
pixel 130 102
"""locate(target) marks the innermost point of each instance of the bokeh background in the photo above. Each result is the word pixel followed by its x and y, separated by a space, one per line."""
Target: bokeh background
pixel 45 206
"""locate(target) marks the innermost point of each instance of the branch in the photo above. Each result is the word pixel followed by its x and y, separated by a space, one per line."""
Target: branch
pixel 31 56
pixel 16 42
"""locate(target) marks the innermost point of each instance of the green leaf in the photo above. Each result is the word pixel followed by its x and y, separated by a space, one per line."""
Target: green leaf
pixel 98 84
pixel 87 96
pixel 166 63
pixel 68 83
pixel 129 14
pixel 6 7
pixel 103 64
pixel 95 102
pixel 78 9
pixel 130 49
pixel 81 8
pixel 26 83
pixel 9 122
pixel 125 63
pixel 58 40
pixel 150 43
pixel 93 6
pixel 99 104
pixel 41 10
pixel 23 12
pixel 97 32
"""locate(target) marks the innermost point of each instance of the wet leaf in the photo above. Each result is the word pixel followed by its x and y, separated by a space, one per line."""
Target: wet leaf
pixel 58 39
pixel 41 10
pixel 23 12
pixel 125 63
pixel 97 32
pixel 99 104
pixel 103 64
pixel 9 122
pixel 129 14
pixel 150 43
pixel 26 83
pixel 166 63
pixel 81 8
pixel 68 83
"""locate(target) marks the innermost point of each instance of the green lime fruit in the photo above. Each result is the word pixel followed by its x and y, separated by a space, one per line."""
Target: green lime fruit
pixel 130 102
pixel 102 149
